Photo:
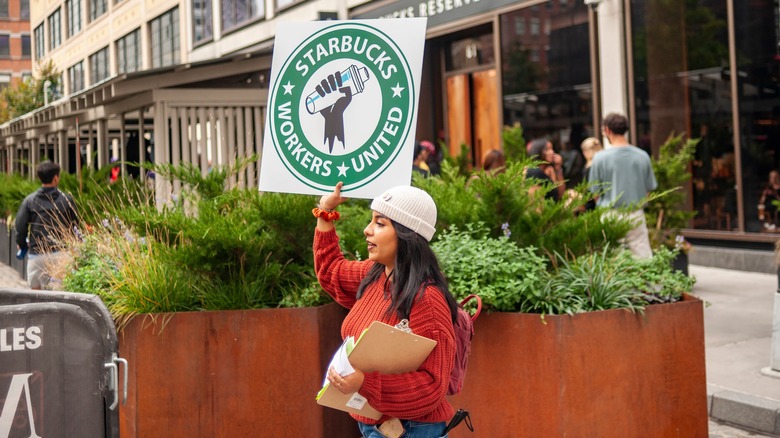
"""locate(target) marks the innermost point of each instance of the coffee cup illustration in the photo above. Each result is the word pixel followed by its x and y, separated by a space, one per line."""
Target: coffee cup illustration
pixel 353 77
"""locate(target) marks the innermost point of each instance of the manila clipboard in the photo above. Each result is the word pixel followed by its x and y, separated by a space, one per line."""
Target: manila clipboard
pixel 382 348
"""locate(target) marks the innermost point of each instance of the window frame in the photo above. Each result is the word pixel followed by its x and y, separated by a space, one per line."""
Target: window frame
pixel 235 25
pixel 121 47
pixel 289 5
pixel 97 60
pixel 29 45
pixel 96 12
pixel 7 38
pixel 73 26
pixel 5 75
pixel 157 52
pixel 39 38
pixel 71 73
pixel 55 35
pixel 208 6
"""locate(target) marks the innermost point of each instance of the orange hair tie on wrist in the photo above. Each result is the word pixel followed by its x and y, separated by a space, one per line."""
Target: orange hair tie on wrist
pixel 325 214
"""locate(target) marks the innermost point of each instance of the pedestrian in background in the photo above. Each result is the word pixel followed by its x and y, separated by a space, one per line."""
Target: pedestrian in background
pixel 573 164
pixel 590 147
pixel 45 218
pixel 549 169
pixel 419 163
pixel 625 174
pixel 494 162
pixel 434 157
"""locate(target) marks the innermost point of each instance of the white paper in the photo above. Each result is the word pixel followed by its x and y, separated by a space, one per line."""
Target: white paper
pixel 340 361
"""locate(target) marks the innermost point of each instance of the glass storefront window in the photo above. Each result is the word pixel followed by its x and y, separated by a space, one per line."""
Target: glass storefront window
pixel 546 75
pixel 681 84
pixel 470 52
pixel 757 38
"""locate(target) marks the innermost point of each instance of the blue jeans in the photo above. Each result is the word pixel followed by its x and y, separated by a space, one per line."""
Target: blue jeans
pixel 414 429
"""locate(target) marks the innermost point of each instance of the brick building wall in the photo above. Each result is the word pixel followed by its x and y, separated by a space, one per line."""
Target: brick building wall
pixel 15 60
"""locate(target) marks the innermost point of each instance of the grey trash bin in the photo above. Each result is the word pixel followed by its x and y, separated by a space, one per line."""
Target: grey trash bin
pixel 59 373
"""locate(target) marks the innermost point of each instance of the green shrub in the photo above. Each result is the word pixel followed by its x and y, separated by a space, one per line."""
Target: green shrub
pixel 212 249
pixel 514 142
pixel 13 189
pixel 496 269
pixel 514 279
pixel 355 216
pixel 97 200
pixel 611 280
pixel 592 282
pixel 666 214
pixel 215 248
pixel 656 278
pixel 503 201
pixel 93 269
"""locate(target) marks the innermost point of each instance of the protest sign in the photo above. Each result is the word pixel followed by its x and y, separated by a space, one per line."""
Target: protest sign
pixel 342 106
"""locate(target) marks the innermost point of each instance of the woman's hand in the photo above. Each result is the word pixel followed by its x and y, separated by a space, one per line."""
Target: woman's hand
pixel 346 384
pixel 557 161
pixel 332 200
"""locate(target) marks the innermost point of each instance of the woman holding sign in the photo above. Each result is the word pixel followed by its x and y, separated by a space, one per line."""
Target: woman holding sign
pixel 400 280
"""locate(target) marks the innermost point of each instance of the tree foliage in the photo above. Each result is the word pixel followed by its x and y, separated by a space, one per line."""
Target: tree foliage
pixel 26 96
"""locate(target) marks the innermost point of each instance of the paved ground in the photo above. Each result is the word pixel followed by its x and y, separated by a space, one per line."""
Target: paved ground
pixel 720 430
pixel 738 326
pixel 738 317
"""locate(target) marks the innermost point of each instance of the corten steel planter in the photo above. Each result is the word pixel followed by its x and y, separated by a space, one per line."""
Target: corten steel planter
pixel 231 374
pixel 600 374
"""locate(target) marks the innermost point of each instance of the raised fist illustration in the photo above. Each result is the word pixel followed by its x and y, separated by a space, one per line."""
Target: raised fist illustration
pixel 334 114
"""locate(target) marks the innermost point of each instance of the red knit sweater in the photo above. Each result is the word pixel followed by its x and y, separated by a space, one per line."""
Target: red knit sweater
pixel 419 395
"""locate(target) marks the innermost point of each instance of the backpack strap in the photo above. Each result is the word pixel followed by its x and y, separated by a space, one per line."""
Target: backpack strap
pixel 479 305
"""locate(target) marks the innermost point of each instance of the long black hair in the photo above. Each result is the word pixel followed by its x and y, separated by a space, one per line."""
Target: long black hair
pixel 416 267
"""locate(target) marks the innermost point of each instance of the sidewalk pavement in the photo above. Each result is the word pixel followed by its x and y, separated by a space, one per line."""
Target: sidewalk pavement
pixel 10 278
pixel 738 314
pixel 738 317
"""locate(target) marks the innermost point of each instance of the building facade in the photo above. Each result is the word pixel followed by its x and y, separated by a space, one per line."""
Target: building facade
pixel 15 51
pixel 706 68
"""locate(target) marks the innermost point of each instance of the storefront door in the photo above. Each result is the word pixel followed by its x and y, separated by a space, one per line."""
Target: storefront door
pixel 472 113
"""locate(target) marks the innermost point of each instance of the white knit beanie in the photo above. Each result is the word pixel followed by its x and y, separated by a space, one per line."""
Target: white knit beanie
pixel 410 207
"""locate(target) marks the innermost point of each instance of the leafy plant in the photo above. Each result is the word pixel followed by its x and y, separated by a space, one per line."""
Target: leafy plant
pixel 13 189
pixel 355 216
pixel 92 269
pixel 514 279
pixel 216 248
pixel 461 162
pixel 534 221
pixel 666 215
pixel 658 280
pixel 514 142
pixel 598 281
pixel 502 273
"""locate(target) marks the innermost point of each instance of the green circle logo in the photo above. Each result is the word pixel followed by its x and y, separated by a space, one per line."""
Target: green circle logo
pixel 342 106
